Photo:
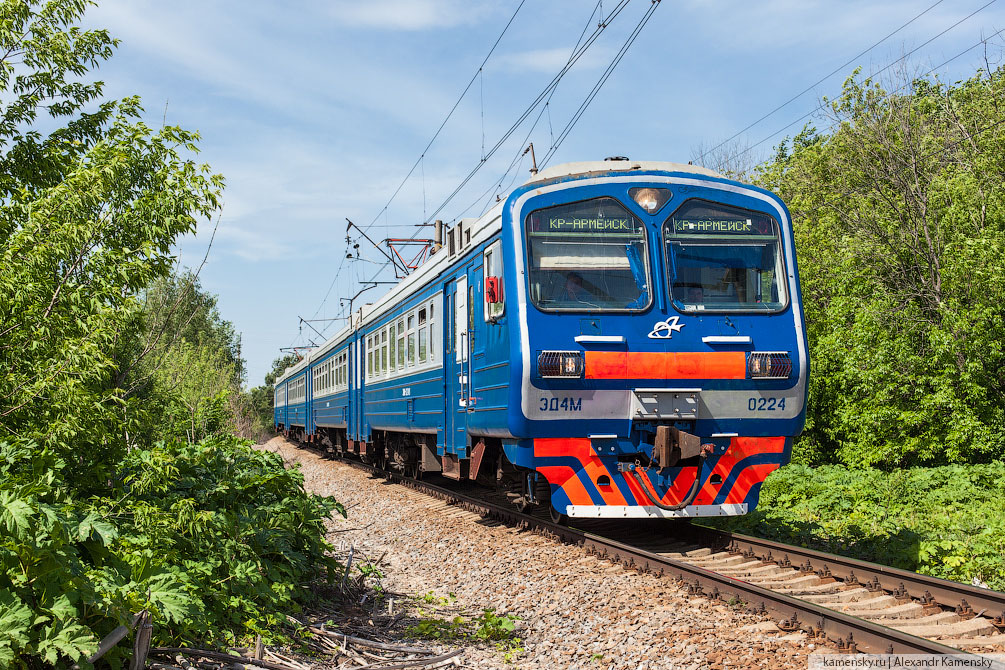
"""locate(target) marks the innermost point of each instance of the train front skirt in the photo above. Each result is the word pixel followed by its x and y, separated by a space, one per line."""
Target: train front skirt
pixel 585 483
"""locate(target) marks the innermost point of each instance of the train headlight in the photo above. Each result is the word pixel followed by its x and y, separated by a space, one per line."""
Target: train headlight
pixel 560 364
pixel 650 199
pixel 769 365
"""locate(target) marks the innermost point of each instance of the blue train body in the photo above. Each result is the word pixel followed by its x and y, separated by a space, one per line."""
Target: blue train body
pixel 620 339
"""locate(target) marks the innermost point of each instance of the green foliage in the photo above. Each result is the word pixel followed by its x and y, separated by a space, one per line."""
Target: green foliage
pixel 943 521
pixel 432 599
pixel 491 626
pixel 261 398
pixel 499 629
pixel 106 352
pixel 899 215
pixel 216 539
pixel 88 217
pixel 439 629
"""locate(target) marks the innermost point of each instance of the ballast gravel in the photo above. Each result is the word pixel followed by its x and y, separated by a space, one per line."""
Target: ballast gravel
pixel 575 610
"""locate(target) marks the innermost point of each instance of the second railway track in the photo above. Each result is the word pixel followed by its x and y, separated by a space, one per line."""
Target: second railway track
pixel 854 605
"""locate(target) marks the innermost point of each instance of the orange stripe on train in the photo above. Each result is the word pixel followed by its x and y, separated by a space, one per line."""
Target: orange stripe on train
pixel 661 365
pixel 565 477
pixel 582 450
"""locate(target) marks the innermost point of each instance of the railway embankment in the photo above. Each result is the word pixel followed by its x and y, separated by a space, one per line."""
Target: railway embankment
pixel 569 609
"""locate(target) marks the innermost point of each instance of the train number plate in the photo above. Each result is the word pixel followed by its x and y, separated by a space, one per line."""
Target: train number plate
pixel 765 404
pixel 555 404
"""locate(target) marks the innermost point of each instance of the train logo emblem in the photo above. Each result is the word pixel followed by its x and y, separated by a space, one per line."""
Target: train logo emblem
pixel 664 330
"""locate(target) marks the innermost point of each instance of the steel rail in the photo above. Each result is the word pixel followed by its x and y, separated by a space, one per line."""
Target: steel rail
pixel 944 592
pixel 849 633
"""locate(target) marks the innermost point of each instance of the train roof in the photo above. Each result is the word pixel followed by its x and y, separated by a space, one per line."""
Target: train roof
pixel 607 166
pixel 478 229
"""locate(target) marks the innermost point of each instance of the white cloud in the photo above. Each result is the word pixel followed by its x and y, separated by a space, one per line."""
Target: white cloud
pixel 408 14
pixel 553 59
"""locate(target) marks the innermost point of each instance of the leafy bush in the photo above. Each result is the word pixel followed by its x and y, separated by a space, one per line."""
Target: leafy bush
pixel 218 540
pixel 899 221
pixel 944 521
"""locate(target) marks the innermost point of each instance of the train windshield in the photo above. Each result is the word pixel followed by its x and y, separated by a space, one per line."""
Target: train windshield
pixel 589 255
pixel 724 259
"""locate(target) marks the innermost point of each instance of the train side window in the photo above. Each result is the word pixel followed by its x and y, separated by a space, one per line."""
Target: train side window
pixel 383 351
pixel 423 334
pixel 392 341
pixel 369 358
pixel 446 324
pixel 401 344
pixel 411 340
pixel 433 341
pixel 492 267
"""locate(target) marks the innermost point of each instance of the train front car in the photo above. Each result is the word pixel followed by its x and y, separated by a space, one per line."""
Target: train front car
pixel 660 368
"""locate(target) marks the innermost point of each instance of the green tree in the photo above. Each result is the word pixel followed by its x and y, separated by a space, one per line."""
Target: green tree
pixel 899 215
pixel 96 520
pixel 262 398
pixel 89 217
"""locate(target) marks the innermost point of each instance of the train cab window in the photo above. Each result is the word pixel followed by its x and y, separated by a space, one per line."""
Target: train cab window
pixel 588 256
pixel 724 259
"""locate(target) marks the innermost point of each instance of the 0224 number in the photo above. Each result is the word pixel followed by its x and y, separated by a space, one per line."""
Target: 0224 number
pixel 765 404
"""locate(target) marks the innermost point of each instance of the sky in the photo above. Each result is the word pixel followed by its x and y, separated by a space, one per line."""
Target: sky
pixel 315 112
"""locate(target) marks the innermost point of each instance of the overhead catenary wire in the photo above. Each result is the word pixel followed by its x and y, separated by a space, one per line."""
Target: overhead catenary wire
pixel 453 109
pixel 545 95
pixel 520 152
pixel 818 82
pixel 600 83
pixel 822 105
pixel 533 105
pixel 421 159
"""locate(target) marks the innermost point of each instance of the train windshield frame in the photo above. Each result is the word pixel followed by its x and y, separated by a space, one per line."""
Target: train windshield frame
pixel 724 259
pixel 590 255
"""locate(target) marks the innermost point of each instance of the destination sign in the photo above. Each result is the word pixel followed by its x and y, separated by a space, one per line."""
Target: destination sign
pixel 584 224
pixel 716 227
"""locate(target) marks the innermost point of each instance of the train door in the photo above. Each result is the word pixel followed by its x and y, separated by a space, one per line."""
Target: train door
pixel 312 412
pixel 464 343
pixel 356 394
pixel 350 416
pixel 476 339
pixel 456 363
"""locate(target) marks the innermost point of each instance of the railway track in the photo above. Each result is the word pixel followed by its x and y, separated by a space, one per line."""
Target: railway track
pixel 853 605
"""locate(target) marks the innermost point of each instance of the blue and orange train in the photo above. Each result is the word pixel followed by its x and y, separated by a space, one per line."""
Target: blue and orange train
pixel 616 339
